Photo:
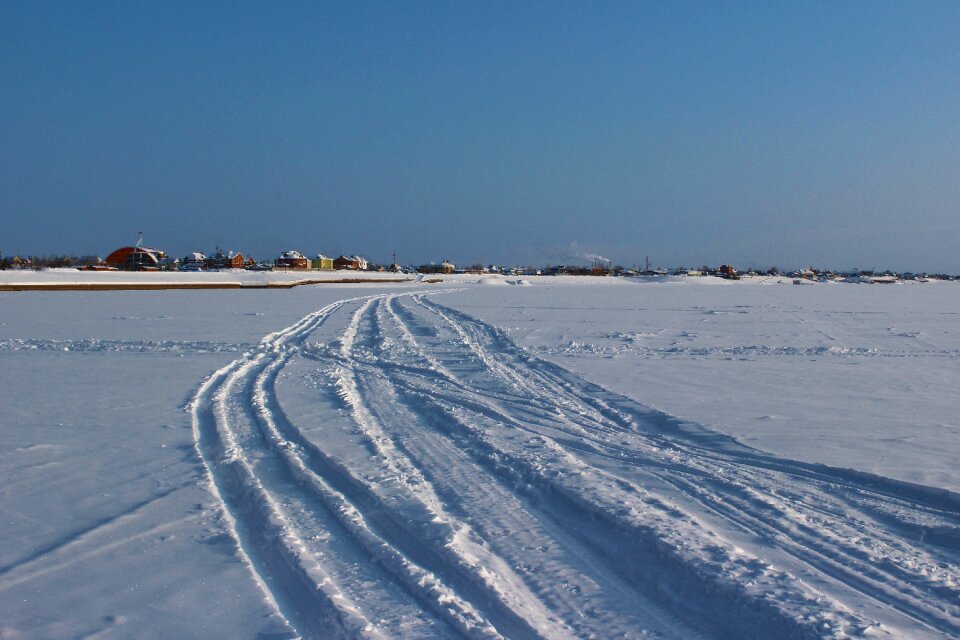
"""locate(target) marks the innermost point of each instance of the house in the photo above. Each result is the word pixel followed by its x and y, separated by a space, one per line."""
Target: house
pixel 292 260
pixel 230 260
pixel 195 261
pixel 136 258
pixel 170 264
pixel 355 263
pixel 726 271
pixel 322 262
pixel 444 267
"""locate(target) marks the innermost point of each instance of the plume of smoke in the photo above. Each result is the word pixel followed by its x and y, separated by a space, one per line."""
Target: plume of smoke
pixel 574 253
pixel 595 258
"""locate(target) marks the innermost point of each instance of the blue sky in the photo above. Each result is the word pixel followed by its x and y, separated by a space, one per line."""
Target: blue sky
pixel 760 133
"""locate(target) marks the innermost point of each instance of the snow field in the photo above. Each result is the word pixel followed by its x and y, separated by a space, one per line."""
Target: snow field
pixel 407 463
pixel 431 391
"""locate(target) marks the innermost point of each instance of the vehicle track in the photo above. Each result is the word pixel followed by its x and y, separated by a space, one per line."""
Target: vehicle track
pixel 846 527
pixel 455 485
pixel 310 550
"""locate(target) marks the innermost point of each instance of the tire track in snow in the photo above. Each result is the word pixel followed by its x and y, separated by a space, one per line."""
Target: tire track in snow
pixel 916 581
pixel 419 541
pixel 68 550
pixel 570 506
pixel 266 542
pixel 273 483
pixel 447 544
pixel 306 546
pixel 661 550
pixel 830 533
pixel 559 567
pixel 471 489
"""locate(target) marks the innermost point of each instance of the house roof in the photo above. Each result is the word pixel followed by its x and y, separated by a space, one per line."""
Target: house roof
pixel 121 254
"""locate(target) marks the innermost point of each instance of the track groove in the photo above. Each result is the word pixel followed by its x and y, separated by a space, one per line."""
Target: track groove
pixel 391 466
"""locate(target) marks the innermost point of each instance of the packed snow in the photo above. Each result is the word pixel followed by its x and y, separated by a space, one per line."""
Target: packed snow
pixel 565 457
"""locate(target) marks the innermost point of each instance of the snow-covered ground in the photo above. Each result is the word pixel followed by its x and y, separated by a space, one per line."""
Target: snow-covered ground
pixel 486 457
pixel 227 277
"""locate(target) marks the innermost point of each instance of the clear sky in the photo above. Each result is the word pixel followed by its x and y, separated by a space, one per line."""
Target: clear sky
pixel 758 133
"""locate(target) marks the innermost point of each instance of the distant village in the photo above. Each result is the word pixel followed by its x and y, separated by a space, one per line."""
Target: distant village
pixel 142 258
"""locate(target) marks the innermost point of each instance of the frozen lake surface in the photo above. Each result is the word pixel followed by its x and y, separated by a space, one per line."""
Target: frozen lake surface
pixel 580 457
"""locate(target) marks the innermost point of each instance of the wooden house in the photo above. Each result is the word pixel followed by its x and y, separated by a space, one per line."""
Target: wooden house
pixel 195 261
pixel 322 262
pixel 354 263
pixel 292 260
pixel 230 260
pixel 444 267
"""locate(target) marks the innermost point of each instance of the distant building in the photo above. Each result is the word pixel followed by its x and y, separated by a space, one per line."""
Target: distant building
pixel 170 264
pixel 195 261
pixel 355 263
pixel 322 262
pixel 229 260
pixel 292 260
pixel 136 259
pixel 444 267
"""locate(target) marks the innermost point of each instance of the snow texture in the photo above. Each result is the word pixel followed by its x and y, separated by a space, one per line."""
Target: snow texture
pixel 567 458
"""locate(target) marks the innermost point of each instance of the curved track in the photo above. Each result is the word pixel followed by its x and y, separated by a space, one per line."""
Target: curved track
pixel 392 467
